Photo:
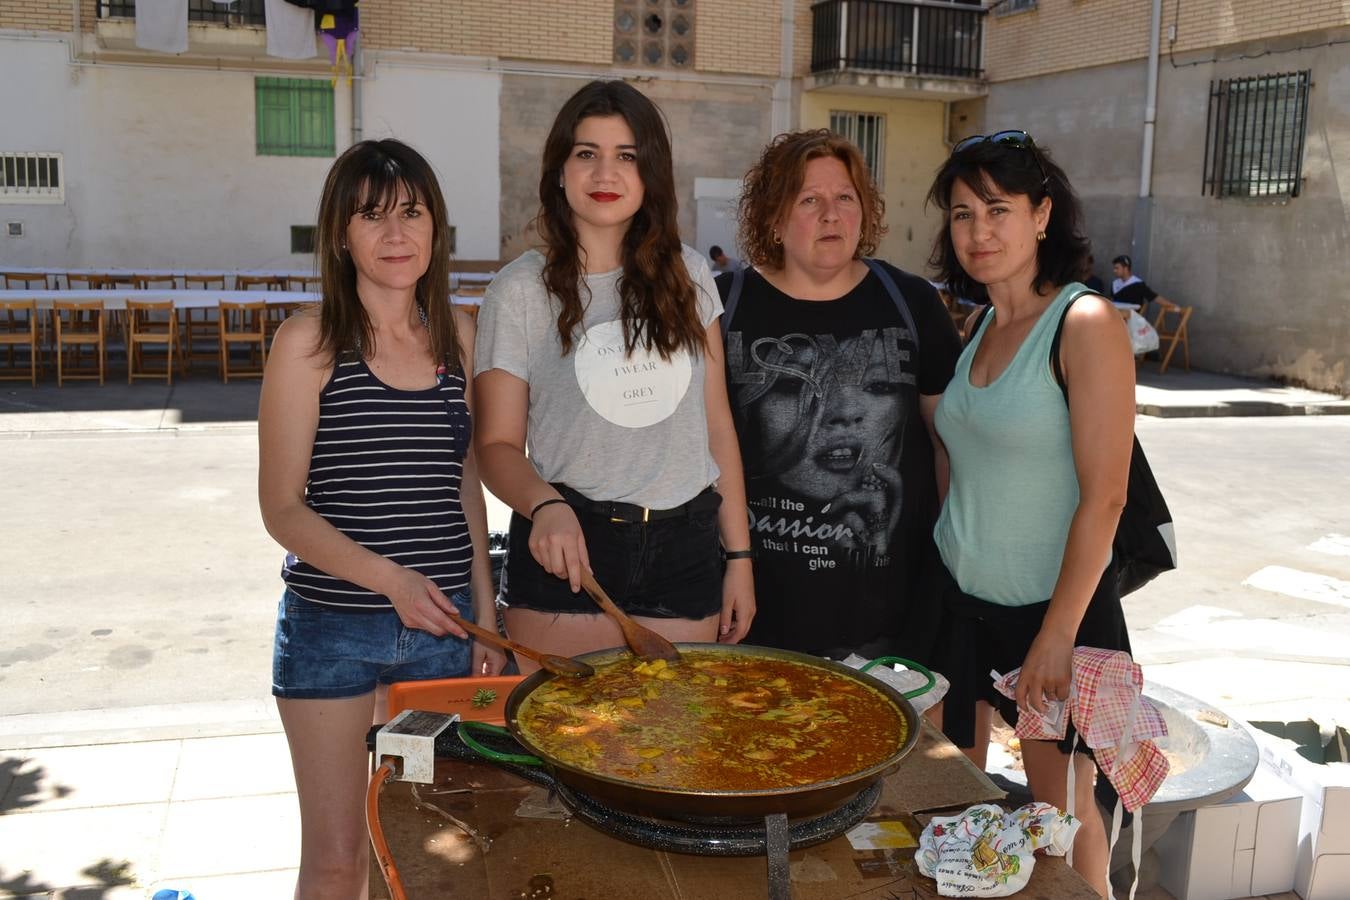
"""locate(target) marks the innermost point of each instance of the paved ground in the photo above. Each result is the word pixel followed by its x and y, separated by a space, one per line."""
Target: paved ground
pixel 139 748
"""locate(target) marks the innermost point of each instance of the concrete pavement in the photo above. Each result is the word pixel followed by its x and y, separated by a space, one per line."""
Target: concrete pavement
pixel 113 789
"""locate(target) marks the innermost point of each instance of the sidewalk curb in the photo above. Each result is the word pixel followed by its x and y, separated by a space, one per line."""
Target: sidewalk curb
pixel 1243 408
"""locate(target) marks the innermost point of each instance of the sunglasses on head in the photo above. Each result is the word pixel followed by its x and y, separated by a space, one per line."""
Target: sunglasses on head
pixel 1015 138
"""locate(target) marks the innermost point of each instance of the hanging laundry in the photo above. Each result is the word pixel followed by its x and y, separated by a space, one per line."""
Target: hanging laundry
pixel 290 30
pixel 162 25
pixel 326 6
pixel 340 31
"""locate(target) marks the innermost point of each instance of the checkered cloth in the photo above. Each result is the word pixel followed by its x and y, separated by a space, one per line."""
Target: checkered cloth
pixel 1107 706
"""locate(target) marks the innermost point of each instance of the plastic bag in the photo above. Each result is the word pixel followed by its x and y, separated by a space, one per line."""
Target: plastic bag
pixel 986 852
pixel 1143 336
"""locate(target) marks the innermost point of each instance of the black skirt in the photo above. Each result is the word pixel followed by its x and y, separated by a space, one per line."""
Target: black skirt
pixel 976 637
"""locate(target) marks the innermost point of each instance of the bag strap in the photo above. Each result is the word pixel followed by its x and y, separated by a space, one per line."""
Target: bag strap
pixel 733 297
pixel 887 282
pixel 896 296
pixel 1055 342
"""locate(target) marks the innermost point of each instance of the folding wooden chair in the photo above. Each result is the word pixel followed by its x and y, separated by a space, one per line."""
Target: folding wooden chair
pixel 19 328
pixel 201 335
pixel 79 325
pixel 243 323
pixel 249 282
pixel 151 323
pixel 307 283
pixel 149 282
pixel 25 281
pixel 1169 338
pixel 88 282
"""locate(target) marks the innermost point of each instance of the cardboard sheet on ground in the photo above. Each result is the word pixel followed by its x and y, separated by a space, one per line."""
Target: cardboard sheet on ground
pixel 552 858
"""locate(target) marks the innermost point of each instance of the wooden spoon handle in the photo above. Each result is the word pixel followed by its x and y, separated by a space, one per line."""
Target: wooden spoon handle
pixel 555 664
pixel 644 642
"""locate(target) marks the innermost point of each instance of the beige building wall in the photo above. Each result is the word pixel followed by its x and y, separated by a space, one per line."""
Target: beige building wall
pixel 737 36
pixel 914 150
pixel 1059 35
pixel 581 31
pixel 36 15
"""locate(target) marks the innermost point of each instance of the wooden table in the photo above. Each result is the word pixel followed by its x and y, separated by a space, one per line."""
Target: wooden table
pixel 528 856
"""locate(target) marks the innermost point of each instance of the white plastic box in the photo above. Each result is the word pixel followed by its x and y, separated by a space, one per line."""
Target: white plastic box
pixel 1243 847
pixel 1322 870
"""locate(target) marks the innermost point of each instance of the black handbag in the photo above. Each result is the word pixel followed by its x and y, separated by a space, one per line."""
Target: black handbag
pixel 1145 545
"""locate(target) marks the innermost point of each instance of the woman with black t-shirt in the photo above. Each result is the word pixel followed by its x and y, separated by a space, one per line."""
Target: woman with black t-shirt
pixel 835 364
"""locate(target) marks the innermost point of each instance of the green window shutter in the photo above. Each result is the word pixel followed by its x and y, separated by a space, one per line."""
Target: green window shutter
pixel 294 117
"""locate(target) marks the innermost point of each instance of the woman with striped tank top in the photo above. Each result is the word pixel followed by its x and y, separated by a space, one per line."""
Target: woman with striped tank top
pixel 366 476
pixel 1038 472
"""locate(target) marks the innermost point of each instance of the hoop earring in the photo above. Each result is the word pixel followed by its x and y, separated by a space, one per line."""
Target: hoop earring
pixel 777 238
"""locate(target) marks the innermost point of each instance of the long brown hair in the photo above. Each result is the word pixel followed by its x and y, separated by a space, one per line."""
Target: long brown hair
pixel 771 186
pixel 369 176
pixel 658 301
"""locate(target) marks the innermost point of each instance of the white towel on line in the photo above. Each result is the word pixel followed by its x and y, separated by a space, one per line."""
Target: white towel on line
pixel 162 25
pixel 290 30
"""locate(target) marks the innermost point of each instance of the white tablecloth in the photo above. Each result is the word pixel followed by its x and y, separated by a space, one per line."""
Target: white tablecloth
pixel 194 299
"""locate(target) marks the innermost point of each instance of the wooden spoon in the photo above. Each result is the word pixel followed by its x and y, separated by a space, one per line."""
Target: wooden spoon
pixel 558 665
pixel 645 643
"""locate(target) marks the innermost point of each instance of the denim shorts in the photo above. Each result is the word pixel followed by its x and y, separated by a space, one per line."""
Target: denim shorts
pixel 322 653
pixel 665 569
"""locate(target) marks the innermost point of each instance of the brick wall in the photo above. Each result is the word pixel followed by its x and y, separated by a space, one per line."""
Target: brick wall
pixel 1069 34
pixel 737 36
pixel 36 15
pixel 580 31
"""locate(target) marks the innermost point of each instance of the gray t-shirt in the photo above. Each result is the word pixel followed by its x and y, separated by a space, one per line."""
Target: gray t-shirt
pixel 612 426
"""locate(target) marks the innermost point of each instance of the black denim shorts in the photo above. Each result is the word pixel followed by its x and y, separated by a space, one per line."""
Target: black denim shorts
pixel 668 568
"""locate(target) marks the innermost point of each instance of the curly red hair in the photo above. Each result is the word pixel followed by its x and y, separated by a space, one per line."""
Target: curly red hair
pixel 772 184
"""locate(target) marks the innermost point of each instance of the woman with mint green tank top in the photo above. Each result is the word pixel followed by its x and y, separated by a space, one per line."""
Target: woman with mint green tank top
pixel 1022 411
pixel 1037 474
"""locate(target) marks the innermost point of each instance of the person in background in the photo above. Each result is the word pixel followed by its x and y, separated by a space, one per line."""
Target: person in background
pixel 1091 281
pixel 367 478
pixel 1128 287
pixel 833 385
pixel 1038 480
pixel 601 353
pixel 720 261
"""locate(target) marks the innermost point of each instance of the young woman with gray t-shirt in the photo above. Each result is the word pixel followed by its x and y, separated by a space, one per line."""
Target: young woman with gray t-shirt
pixel 602 353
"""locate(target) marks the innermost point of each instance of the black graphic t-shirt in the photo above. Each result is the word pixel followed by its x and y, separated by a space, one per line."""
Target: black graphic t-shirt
pixel 838 462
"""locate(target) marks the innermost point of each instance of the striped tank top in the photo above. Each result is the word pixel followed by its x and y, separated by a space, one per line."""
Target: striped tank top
pixel 386 471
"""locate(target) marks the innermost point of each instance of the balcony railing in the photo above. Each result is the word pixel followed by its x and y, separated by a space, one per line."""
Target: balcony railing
pixel 240 12
pixel 926 38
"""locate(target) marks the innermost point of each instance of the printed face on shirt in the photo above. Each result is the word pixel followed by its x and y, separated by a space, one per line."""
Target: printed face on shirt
pixel 391 245
pixel 834 425
pixel 601 176
pixel 824 223
pixel 995 240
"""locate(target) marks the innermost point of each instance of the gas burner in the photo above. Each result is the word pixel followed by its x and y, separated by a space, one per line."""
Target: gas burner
pixel 711 838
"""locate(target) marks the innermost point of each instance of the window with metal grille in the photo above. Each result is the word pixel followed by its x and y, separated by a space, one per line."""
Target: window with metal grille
pixel 868 132
pixel 239 12
pixel 1012 6
pixel 1254 140
pixel 32 178
pixel 294 117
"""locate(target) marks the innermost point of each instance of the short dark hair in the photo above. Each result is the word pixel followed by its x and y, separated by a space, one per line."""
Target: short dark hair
pixel 989 168
pixel 714 251
pixel 1123 260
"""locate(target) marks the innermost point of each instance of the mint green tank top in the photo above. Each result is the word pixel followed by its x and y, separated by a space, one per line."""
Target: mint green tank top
pixel 1013 488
